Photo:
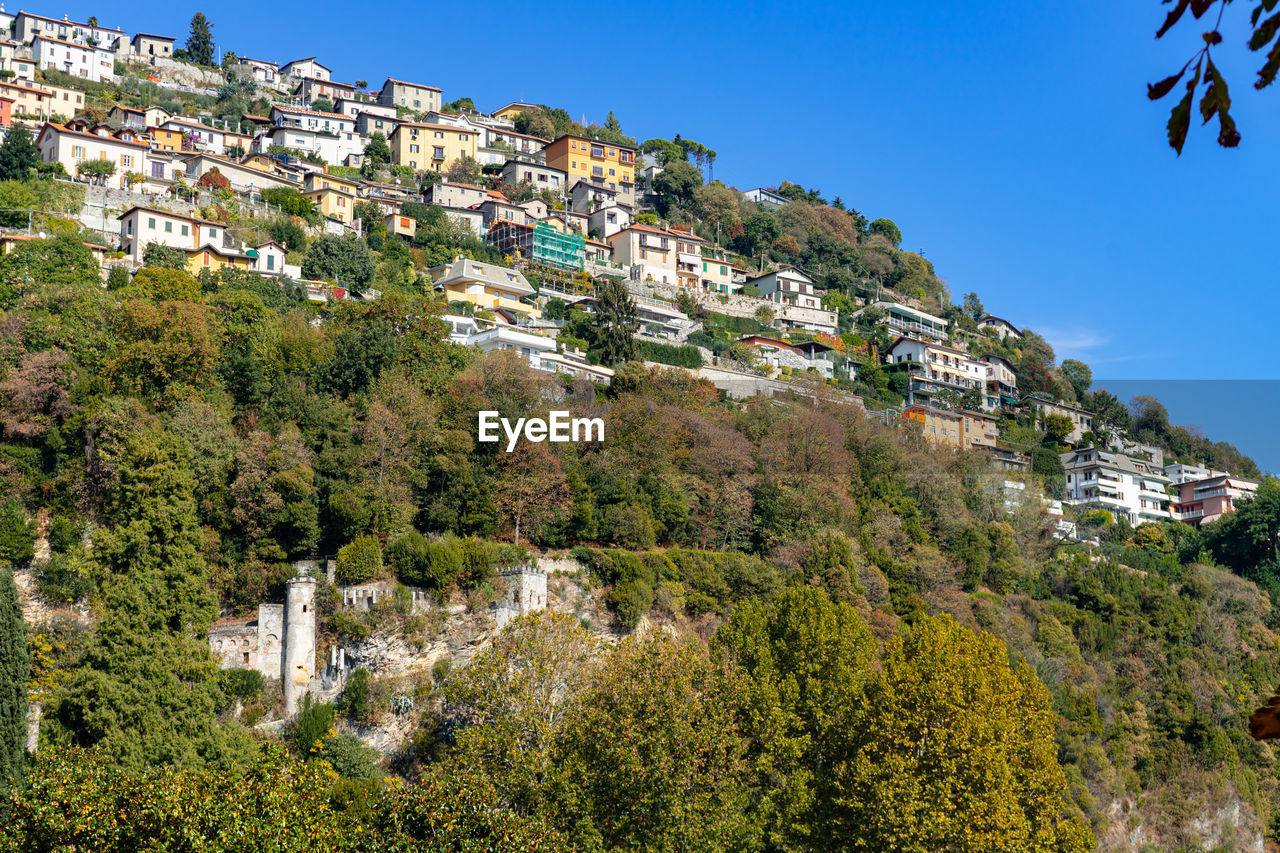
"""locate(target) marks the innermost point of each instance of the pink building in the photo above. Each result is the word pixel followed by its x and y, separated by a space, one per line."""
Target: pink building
pixel 1204 500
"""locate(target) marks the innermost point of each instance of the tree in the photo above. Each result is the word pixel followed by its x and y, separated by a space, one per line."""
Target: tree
pixel 1057 428
pixel 62 260
pixel 214 180
pixel 162 284
pixel 972 307
pixel 164 257
pixel 716 204
pixel 1078 376
pixel 322 105
pixel 359 561
pixel 19 155
pixel 653 758
pixel 377 152
pixel 15 669
pixel 464 170
pixel 887 229
pixel 675 185
pixel 958 752
pixel 759 230
pixel 200 42
pixel 531 489
pixel 345 259
pixel 96 170
pixel 614 323
pixel 291 202
pixel 516 696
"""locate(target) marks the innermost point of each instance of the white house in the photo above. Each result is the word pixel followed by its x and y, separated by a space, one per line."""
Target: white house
pixel 202 136
pixel 934 369
pixel 1130 488
pixel 800 305
pixel 79 60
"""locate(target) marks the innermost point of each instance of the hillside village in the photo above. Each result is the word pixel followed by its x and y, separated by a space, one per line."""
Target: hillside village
pixel 562 213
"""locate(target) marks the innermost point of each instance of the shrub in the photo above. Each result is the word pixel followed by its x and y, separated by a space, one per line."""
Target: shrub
pixel 350 757
pixel 169 257
pixel 355 696
pixel 440 670
pixel 162 284
pixel 311 726
pixel 630 526
pixel 420 562
pixel 679 356
pixel 243 684
pixel 118 277
pixel 358 561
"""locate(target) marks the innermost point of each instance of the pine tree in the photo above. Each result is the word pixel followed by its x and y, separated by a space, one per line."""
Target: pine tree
pixel 200 42
pixel 18 155
pixel 15 669
pixel 615 322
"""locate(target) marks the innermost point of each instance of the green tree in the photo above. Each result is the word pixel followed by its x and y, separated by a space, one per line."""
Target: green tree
pixel 807 662
pixel 959 752
pixel 464 170
pixel 322 105
pixel 160 284
pixel 165 257
pixel 676 185
pixel 516 696
pixel 653 759
pixel 146 692
pixel 378 152
pixel 759 230
pixel 200 41
pixel 291 203
pixel 973 306
pixel 61 260
pixel 15 670
pixel 360 560
pixel 96 170
pixel 888 229
pixel 614 323
pixel 346 259
pixel 1078 376
pixel 19 155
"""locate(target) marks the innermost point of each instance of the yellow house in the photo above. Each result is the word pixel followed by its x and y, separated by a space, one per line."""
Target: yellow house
pixel 598 162
pixel 431 146
pixel 511 110
pixel 322 180
pixel 484 285
pixel 405 226
pixel 163 139
pixel 214 258
pixel 333 203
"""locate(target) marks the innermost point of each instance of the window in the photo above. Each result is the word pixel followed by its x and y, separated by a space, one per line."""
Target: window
pixel 271 262
pixel 438 153
pixel 151 220
pixel 185 232
pixel 77 150
pixel 168 227
pixel 439 134
pixel 213 233
pixel 413 149
pixel 597 151
pixel 611 173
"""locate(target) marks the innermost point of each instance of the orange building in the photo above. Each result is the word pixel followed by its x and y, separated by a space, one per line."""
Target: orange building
pixel 598 162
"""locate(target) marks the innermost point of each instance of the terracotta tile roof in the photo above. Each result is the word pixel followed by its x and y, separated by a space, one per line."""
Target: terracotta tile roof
pixel 407 83
pixel 63 129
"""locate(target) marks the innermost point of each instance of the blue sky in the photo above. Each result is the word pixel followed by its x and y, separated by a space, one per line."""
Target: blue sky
pixel 1012 142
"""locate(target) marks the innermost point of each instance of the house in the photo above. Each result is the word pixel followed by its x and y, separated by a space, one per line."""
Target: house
pixel 936 371
pixel 505 142
pixel 197 137
pixel 310 89
pixel 657 317
pixel 164 139
pixel 484 285
pixel 587 196
pixel 600 162
pixel 139 117
pixel 1179 473
pixel 905 320
pixel 333 203
pixel 322 180
pixel 646 252
pixel 1200 501
pixel 206 243
pixel 352 107
pixel 566 221
pixel 70 147
pixel 284 116
pixel 79 60
pixel 1081 421
pixel 243 178
pixel 400 225
pixel 6 112
pixel 307 67
pixel 717 274
pixel 28 100
pixel 1128 487
pixel 688 257
pixel 513 109
pixel 542 177
pixel 449 194
pixel 607 221
pixel 466 217
pixel 540 242
pixel 1000 327
pixel 258 70
pixel 27 26
pixel 535 208
pixel 955 428
pixel 24 70
pixel 65 102
pixel 598 252
pixel 1002 382
pixel 766 198
pixel 163 169
pixel 149 45
pixel 800 307
pixel 369 122
pixel 780 354
pixel 499 209
pixel 413 96
pixel 423 146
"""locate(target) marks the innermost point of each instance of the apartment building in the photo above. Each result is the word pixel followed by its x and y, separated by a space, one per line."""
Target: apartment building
pixel 72 146
pixel 423 147
pixel 1134 489
pixel 484 285
pixel 646 252
pixel 1200 501
pixel 600 162
pixel 907 321
pixel 800 306
pixel 413 96
pixel 85 61
pixel 935 370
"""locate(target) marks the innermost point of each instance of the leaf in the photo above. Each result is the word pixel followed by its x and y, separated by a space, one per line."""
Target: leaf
pixel 1264 6
pixel 1180 122
pixel 1212 37
pixel 1159 90
pixel 1172 18
pixel 1265 33
pixel 1267 74
pixel 1215 94
pixel 1199 7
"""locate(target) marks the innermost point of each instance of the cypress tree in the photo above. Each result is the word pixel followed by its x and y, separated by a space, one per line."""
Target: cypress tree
pixel 15 670
pixel 18 155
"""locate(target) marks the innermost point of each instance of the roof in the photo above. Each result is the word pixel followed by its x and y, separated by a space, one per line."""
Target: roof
pixel 322 81
pixel 39 37
pixel 63 129
pixel 172 214
pixel 285 109
pixel 311 59
pixel 598 141
pixel 433 126
pixel 808 277
pixel 11 237
pixel 991 318
pixel 465 269
pixel 188 123
pixel 22 12
pixel 407 83
pixel 514 104
pixel 152 36
pixel 45 92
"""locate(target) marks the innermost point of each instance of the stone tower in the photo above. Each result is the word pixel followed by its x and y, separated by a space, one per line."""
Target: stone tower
pixel 526 592
pixel 298 663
